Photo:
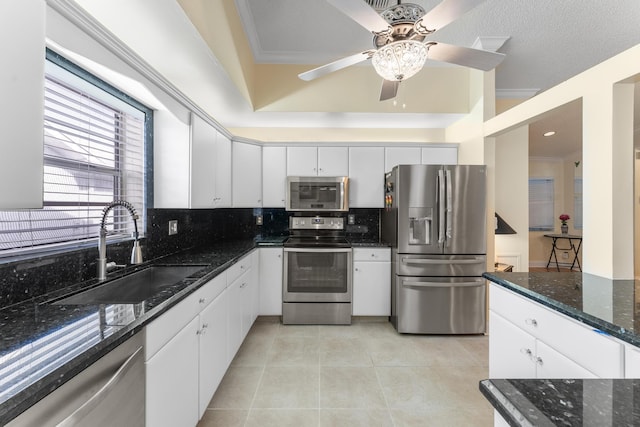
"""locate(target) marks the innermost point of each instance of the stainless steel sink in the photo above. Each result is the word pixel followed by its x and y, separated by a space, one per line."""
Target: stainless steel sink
pixel 134 288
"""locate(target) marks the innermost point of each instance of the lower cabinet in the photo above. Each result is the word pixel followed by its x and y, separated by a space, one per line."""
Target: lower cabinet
pixel 213 349
pixel 528 340
pixel 371 282
pixel 631 361
pixel 189 348
pixel 271 281
pixel 172 381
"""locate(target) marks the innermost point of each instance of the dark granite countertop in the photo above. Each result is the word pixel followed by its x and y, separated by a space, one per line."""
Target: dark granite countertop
pixel 34 360
pixel 611 306
pixel 565 402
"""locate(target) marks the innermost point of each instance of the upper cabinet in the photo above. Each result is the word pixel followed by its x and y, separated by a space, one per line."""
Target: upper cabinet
pixel 440 155
pixel 394 156
pixel 317 161
pixel 22 43
pixel 366 177
pixel 274 176
pixel 192 164
pixel 247 175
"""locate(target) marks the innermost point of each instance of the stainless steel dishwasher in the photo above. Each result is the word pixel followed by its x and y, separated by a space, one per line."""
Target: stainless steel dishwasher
pixel 110 392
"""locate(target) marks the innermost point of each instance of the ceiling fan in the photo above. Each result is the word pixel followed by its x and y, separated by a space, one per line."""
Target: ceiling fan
pixel 399 40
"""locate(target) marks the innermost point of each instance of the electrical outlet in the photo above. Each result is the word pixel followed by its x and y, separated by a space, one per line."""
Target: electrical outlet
pixel 258 219
pixel 173 227
pixel 565 255
pixel 351 219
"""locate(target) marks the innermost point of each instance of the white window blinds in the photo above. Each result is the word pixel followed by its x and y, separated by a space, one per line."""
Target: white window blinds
pixel 93 154
pixel 541 199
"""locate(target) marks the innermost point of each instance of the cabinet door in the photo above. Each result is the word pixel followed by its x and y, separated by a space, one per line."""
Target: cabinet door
pixel 371 289
pixel 333 161
pixel 271 281
pixel 223 172
pixel 22 44
pixel 203 161
pixel 274 176
pixel 247 175
pixel 366 177
pixel 213 349
pixel 302 161
pixel 631 361
pixel 552 364
pixel 172 381
pixel 394 156
pixel 255 286
pixel 235 315
pixel 511 350
pixel 440 155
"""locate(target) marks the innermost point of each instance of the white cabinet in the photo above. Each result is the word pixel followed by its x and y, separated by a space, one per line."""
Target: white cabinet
pixel 243 302
pixel 212 344
pixel 394 156
pixel 247 175
pixel 22 44
pixel 317 161
pixel 556 335
pixel 371 282
pixel 234 315
pixel 203 160
pixel 440 155
pixel 274 176
pixel 172 381
pixel 510 350
pixel 366 177
pixel 631 361
pixel 271 281
pixel 192 165
pixel 222 197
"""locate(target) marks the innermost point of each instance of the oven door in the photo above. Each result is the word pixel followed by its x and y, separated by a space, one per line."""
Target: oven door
pixel 317 275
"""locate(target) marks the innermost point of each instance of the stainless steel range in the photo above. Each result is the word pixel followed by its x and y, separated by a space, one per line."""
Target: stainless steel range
pixel 317 272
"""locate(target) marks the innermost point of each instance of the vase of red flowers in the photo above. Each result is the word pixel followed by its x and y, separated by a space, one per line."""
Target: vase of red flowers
pixel 563 226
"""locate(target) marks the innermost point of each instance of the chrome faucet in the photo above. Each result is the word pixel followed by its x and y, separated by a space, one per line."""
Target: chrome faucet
pixel 136 253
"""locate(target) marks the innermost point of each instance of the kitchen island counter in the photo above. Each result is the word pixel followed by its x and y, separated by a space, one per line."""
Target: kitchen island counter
pixel 35 353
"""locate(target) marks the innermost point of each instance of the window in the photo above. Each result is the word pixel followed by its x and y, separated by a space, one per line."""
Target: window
pixel 94 153
pixel 541 204
pixel 577 203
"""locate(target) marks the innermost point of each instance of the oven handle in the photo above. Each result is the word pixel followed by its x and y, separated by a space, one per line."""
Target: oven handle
pixel 441 261
pixel 427 284
pixel 323 250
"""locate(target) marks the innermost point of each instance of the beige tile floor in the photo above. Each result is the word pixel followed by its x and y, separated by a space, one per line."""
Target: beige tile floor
pixel 364 374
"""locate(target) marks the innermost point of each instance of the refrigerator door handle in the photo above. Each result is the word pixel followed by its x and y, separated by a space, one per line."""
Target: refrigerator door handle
pixel 425 284
pixel 441 261
pixel 441 206
pixel 449 204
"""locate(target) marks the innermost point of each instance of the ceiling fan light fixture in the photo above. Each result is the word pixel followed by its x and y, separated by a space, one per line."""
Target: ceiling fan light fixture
pixel 400 60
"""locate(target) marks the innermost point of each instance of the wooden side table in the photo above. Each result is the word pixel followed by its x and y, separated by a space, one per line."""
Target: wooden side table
pixel 575 248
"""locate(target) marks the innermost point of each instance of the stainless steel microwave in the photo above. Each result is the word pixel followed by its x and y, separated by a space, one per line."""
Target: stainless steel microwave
pixel 318 193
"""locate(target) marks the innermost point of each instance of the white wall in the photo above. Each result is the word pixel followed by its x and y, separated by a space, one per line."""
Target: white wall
pixel 607 156
pixel 512 197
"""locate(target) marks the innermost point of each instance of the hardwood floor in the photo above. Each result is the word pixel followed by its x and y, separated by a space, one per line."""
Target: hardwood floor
pixel 365 374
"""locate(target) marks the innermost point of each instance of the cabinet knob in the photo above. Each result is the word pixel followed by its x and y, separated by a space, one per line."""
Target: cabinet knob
pixel 539 361
pixel 531 322
pixel 356 269
pixel 373 255
pixel 526 352
pixel 202 300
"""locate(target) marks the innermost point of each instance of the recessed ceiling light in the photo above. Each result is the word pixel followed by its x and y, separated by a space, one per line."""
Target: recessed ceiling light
pixel 550 133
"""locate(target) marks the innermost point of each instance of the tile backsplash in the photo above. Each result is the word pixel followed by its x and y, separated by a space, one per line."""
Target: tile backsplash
pixel 26 279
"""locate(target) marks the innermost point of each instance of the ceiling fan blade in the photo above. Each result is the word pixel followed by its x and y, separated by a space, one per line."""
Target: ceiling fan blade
pixel 389 89
pixel 335 65
pixel 474 58
pixel 446 12
pixel 362 13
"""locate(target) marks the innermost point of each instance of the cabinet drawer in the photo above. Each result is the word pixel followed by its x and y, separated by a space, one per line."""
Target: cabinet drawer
pixel 162 330
pixel 372 254
pixel 237 269
pixel 210 290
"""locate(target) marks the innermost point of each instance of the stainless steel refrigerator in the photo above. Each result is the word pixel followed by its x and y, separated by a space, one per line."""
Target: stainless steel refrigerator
pixel 435 221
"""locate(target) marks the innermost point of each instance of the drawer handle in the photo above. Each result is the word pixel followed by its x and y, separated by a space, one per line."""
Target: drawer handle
pixel 531 322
